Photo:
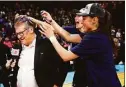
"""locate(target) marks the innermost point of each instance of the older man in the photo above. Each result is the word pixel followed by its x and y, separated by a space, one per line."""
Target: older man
pixel 39 62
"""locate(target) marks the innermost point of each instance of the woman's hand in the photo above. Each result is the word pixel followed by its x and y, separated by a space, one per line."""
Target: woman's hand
pixel 17 16
pixel 47 31
pixel 46 16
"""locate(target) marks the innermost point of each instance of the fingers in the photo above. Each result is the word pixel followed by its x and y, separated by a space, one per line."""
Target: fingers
pixel 13 63
pixel 41 27
pixel 44 26
pixel 48 32
pixel 42 32
pixel 46 29
pixel 30 18
pixel 46 16
pixel 44 13
pixel 38 22
pixel 23 16
pixel 8 63
pixel 16 16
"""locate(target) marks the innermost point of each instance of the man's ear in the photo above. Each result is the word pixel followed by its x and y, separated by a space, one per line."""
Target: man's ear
pixel 31 30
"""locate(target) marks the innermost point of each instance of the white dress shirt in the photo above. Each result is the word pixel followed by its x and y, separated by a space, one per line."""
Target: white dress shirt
pixel 26 77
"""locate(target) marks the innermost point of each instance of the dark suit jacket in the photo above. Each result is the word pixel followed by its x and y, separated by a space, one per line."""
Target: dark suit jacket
pixel 4 50
pixel 47 64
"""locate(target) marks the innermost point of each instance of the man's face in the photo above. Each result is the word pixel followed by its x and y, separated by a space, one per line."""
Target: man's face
pixel 22 33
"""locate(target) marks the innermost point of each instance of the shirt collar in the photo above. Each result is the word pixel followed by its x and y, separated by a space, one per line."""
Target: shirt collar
pixel 31 45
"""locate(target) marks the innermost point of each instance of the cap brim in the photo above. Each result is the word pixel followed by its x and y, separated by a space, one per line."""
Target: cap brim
pixel 82 14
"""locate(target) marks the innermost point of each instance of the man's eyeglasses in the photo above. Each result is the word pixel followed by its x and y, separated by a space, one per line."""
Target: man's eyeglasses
pixel 21 33
pixel 23 19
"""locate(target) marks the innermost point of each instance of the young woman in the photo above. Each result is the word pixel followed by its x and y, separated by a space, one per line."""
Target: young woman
pixel 95 47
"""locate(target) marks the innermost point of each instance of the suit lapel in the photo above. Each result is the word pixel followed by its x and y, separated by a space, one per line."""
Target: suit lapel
pixel 38 45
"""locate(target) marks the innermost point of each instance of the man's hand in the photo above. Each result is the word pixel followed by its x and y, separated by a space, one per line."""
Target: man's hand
pixel 8 63
pixel 13 63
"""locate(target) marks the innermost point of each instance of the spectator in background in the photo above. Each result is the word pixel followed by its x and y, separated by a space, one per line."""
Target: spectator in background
pixel 7 42
pixel 1 37
pixel 3 32
pixel 113 31
pixel 118 34
pixel 120 46
pixel 116 48
pixel 5 63
pixel 121 53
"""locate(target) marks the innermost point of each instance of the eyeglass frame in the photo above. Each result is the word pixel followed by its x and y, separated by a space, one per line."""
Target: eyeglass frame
pixel 21 33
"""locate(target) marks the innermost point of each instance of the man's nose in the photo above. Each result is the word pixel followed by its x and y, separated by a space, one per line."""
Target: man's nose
pixel 19 36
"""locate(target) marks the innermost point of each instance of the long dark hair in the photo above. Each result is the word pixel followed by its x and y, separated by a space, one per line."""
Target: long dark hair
pixel 105 24
pixel 105 27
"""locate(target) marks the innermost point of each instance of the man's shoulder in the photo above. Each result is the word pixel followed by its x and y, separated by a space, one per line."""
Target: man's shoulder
pixel 43 42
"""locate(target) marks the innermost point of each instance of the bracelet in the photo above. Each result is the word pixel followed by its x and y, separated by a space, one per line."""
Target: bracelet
pixel 52 38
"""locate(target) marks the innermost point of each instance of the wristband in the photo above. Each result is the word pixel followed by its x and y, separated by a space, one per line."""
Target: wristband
pixel 52 38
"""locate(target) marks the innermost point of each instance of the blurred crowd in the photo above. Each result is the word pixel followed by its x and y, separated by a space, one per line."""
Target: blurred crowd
pixel 63 13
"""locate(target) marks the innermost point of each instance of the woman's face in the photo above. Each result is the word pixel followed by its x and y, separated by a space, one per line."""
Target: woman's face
pixel 79 21
pixel 87 23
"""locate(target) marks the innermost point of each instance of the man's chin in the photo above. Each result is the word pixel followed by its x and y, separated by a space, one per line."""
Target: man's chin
pixel 22 42
pixel 77 27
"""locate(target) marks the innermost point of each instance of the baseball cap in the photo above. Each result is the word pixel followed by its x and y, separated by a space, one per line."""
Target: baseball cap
pixel 93 9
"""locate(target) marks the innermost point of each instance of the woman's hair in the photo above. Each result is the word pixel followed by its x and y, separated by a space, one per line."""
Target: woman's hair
pixel 105 27
pixel 105 24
